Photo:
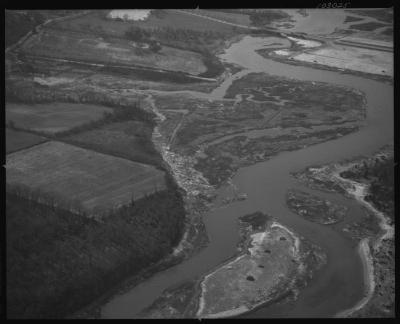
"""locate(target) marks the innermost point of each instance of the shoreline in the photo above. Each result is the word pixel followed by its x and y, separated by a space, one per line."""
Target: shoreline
pixel 265 53
pixel 274 295
pixel 358 191
pixel 367 261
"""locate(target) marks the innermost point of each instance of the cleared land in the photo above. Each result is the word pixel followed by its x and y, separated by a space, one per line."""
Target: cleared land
pixel 157 19
pixel 53 117
pixel 273 261
pixel 95 49
pixel 18 140
pixel 130 140
pixel 95 180
pixel 351 58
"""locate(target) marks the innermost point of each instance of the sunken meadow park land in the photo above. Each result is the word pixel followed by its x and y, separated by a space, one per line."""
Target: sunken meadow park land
pixel 192 163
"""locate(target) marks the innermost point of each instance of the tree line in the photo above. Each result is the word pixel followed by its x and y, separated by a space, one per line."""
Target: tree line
pixel 380 175
pixel 59 261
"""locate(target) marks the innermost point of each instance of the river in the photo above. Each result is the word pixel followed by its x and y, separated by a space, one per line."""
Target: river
pixel 338 285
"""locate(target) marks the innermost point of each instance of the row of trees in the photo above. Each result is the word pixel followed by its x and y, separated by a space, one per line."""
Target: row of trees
pixel 124 108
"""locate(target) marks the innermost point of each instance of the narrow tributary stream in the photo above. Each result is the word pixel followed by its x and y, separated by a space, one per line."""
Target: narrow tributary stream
pixel 339 284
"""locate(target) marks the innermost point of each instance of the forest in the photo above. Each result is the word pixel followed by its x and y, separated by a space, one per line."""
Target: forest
pixel 59 261
pixel 380 175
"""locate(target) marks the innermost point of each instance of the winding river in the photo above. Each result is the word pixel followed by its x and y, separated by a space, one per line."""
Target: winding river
pixel 339 285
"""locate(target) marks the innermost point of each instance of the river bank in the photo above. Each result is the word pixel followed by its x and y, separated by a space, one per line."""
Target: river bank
pixel 375 232
pixel 335 291
pixel 365 255
pixel 269 255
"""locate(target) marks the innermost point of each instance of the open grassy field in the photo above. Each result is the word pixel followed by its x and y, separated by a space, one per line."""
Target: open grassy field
pixel 52 117
pixel 18 140
pixel 130 140
pixel 94 49
pixel 95 180
pixel 158 18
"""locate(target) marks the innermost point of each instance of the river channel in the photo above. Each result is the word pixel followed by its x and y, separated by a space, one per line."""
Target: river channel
pixel 339 285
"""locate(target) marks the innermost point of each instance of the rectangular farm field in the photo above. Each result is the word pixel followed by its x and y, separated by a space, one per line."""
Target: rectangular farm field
pixel 130 140
pixel 95 181
pixel 52 118
pixel 17 140
pixel 90 48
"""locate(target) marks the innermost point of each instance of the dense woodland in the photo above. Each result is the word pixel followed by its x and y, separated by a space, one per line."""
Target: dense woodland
pixel 380 174
pixel 59 261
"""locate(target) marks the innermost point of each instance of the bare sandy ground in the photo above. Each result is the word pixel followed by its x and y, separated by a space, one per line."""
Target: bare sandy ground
pixel 351 58
pixel 240 295
pixel 366 258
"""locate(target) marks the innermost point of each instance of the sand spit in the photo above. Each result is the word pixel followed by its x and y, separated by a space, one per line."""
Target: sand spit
pixel 367 261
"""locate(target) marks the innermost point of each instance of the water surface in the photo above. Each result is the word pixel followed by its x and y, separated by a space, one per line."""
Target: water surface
pixel 338 285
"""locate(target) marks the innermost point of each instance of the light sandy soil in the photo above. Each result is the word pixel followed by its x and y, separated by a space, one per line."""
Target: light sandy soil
pixel 351 58
pixel 367 261
pixel 305 42
pixel 270 264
